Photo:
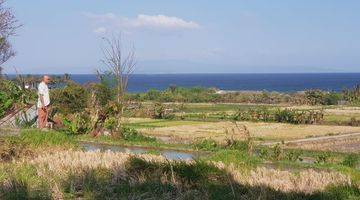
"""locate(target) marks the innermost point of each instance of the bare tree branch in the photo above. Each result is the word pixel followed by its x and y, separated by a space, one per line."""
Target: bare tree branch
pixel 121 65
pixel 8 26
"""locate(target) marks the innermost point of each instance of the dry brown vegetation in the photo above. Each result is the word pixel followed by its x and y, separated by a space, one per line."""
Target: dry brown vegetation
pixel 67 162
pixel 268 131
pixel 346 145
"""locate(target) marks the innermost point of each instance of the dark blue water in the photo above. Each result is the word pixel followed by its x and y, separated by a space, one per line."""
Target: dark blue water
pixel 268 82
pixel 259 82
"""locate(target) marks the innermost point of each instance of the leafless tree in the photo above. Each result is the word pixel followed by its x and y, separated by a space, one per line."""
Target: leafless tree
pixel 120 65
pixel 8 26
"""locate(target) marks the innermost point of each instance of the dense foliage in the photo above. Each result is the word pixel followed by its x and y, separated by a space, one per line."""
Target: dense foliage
pixel 70 99
pixel 201 95
pixel 13 96
pixel 176 94
pixel 352 95
pixel 285 115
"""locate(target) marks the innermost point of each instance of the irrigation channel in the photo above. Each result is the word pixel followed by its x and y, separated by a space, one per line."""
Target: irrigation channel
pixel 168 154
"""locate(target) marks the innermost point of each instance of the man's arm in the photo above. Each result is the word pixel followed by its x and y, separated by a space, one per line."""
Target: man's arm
pixel 41 95
pixel 42 101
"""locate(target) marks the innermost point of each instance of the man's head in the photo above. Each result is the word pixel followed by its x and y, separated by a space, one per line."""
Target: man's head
pixel 46 79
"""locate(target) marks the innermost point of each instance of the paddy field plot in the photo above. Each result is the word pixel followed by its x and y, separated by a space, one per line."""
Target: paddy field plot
pixel 197 130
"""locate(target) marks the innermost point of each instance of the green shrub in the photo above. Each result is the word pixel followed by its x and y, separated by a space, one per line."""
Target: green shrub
pixel 71 99
pixel 207 145
pixel 277 152
pixel 103 93
pixel 263 153
pixel 161 111
pixel 332 98
pixel 133 135
pixel 293 155
pixel 280 115
pixel 354 122
pixel 314 97
pixel 110 123
pixel 322 158
pixel 352 160
pixel 11 96
pixel 352 95
pixel 236 145
pixel 78 123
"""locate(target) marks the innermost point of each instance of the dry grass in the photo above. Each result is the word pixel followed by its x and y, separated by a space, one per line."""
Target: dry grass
pixel 306 181
pixel 267 131
pixel 348 144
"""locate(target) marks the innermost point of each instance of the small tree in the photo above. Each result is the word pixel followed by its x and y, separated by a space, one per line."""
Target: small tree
pixel 8 25
pixel 120 65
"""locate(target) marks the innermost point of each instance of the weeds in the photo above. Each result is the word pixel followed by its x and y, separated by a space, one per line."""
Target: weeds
pixel 277 152
pixel 293 155
pixel 351 160
pixel 36 138
pixel 322 158
pixel 206 145
pixel 130 134
pixel 280 115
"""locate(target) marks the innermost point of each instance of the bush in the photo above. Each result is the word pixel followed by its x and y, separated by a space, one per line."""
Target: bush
pixel 133 135
pixel 161 111
pixel 322 158
pixel 103 94
pixel 352 95
pixel 280 115
pixel 178 94
pixel 351 160
pixel 207 145
pixel 263 153
pixel 293 155
pixel 78 123
pixel 255 114
pixel 277 152
pixel 299 116
pixel 354 122
pixel 71 99
pixel 332 98
pixel 237 145
pixel 12 96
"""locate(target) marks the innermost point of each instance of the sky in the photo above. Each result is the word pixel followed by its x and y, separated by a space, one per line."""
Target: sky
pixel 187 36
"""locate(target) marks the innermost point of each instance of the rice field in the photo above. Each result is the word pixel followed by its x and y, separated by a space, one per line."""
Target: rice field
pixel 345 145
pixel 192 131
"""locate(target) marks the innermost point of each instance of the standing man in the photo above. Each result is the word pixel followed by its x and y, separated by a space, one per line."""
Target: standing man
pixel 43 102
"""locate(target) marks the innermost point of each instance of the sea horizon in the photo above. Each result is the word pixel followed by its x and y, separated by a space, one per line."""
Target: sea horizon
pixel 272 82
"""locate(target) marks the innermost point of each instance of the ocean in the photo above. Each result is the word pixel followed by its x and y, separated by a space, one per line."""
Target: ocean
pixel 237 82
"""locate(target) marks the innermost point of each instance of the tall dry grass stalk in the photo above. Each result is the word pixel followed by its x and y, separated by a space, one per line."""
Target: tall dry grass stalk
pixel 306 181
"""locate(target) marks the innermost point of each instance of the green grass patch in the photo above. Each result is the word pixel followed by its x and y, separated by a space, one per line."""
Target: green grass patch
pixel 36 138
pixel 158 123
pixel 240 159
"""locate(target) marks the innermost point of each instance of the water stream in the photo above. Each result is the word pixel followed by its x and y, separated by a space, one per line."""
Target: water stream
pixel 168 154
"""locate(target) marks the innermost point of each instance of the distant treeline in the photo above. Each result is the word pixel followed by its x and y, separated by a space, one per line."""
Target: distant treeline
pixel 200 95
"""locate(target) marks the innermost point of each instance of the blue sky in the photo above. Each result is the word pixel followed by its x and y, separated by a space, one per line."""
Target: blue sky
pixel 187 36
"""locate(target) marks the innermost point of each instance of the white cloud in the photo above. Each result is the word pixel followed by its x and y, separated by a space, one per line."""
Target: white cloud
pixel 152 22
pixel 162 22
pixel 100 30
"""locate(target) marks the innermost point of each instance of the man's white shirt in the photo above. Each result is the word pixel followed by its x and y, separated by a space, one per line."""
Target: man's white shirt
pixel 43 90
